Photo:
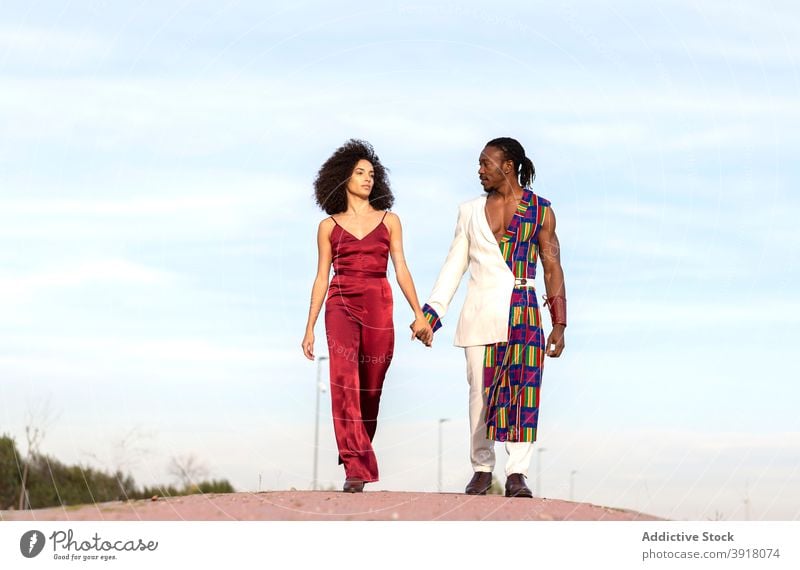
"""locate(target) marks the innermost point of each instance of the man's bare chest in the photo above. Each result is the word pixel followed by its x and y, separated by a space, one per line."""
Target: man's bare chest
pixel 499 216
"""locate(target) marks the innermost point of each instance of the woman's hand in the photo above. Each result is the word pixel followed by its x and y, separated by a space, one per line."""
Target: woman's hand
pixel 422 330
pixel 308 345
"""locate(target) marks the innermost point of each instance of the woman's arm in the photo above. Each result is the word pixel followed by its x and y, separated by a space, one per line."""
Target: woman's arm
pixel 420 327
pixel 320 287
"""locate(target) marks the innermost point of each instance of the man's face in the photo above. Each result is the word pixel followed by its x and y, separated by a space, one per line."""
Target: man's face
pixel 493 168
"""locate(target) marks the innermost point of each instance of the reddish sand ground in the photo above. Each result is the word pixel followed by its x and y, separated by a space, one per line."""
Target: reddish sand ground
pixel 332 506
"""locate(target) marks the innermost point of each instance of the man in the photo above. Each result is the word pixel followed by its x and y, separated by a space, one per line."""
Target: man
pixel 499 237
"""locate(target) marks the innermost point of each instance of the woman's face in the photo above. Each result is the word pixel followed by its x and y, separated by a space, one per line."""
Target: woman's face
pixel 362 179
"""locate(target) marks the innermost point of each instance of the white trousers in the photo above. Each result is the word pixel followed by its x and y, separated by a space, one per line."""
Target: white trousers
pixel 481 449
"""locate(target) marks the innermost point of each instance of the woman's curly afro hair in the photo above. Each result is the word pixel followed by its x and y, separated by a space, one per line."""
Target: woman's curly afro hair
pixel 330 186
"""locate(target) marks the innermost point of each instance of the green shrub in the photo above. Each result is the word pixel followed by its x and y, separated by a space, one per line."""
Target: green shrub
pixel 52 483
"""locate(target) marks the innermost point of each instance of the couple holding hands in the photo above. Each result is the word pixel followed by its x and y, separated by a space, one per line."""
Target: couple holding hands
pixel 499 237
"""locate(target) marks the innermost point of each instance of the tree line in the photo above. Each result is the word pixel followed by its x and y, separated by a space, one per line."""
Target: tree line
pixel 40 481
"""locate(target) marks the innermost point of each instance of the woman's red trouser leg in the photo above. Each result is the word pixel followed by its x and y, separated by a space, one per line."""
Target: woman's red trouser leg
pixel 352 439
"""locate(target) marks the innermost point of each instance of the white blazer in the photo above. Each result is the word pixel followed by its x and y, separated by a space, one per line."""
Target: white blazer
pixel 484 316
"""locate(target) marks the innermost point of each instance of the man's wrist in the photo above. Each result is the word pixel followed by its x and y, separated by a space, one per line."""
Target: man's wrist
pixel 432 317
pixel 558 309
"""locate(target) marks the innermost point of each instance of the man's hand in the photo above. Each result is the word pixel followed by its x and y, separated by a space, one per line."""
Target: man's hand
pixel 555 342
pixel 422 330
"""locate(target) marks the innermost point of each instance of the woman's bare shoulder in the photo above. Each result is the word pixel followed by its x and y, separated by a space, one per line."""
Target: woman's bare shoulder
pixel 391 218
pixel 326 225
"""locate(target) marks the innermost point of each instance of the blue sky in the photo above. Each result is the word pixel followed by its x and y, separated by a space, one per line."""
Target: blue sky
pixel 156 162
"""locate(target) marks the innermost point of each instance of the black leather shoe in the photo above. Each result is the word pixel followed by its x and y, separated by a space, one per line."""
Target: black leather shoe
pixel 480 483
pixel 516 487
pixel 353 486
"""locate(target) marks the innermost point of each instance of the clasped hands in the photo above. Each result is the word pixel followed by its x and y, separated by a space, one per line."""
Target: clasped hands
pixel 421 330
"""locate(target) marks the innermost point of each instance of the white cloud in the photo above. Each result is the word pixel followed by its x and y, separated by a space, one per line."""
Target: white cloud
pixel 200 117
pixel 199 205
pixel 650 316
pixel 719 137
pixel 591 135
pixel 51 47
pixel 78 274
pixel 134 206
pixel 736 33
pixel 202 350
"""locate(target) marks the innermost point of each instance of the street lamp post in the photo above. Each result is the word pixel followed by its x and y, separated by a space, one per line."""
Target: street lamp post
pixel 572 484
pixel 441 421
pixel 747 500
pixel 316 421
pixel 539 471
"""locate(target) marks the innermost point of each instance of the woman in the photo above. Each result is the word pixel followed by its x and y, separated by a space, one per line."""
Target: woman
pixel 357 238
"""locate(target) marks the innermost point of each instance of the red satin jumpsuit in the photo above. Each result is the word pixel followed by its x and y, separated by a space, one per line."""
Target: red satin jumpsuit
pixel 358 320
